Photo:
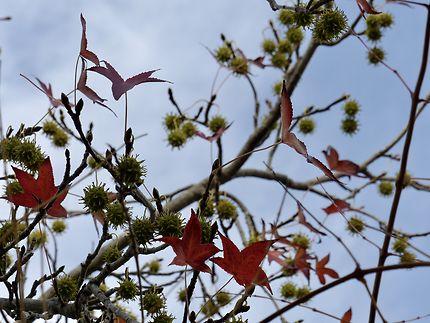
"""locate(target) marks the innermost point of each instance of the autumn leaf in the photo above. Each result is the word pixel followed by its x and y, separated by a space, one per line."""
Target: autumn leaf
pixel 119 86
pixel 301 262
pixel 245 265
pixel 290 138
pixel 347 316
pixel 47 89
pixel 190 250
pixel 337 206
pixel 302 220
pixel 364 6
pixel 84 52
pixel 322 270
pixel 214 137
pixel 40 192
pixel 343 166
pixel 274 255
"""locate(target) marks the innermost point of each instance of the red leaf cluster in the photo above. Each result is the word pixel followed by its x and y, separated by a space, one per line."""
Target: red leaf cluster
pixel 40 192
pixel 337 206
pixel 343 166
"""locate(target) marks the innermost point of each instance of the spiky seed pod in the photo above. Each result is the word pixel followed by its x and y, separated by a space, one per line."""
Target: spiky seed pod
pixel 154 266
pixel 277 87
pixel 5 262
pixel 182 295
pixel 285 46
pixel 7 232
pixel 189 129
pixel 400 245
pixel 351 108
pixel 162 317
pixel 130 170
pixel 60 138
pixel 112 254
pixel 329 25
pixel 38 238
pixel 295 35
pixel 143 230
pixel 288 290
pixel 385 19
pixel 239 65
pixel 13 188
pixel 25 152
pixel 349 126
pixel 127 289
pixel 93 164
pixel 223 298
pixel 376 55
pixel 408 258
pixel 226 210
pixel 301 240
pixel 385 188
pixel 176 138
pixel 307 125
pixel 223 54
pixel 95 197
pixel 289 268
pixel 302 17
pixel 49 128
pixel 355 225
pixel 268 46
pixel 407 179
pixel 206 230
pixel 372 21
pixel 169 224
pixel 67 288
pixel 172 121
pixel 153 302
pixel 217 122
pixel 117 214
pixel 373 34
pixel 209 308
pixel 209 209
pixel 286 17
pixel 302 291
pixel 279 60
pixel 59 226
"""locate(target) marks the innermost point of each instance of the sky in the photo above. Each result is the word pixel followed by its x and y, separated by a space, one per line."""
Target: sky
pixel 43 38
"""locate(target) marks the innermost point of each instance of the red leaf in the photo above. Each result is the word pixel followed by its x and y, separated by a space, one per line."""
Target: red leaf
pixel 84 52
pixel 47 89
pixel 273 255
pixel 344 166
pixel 245 265
pixel 119 86
pixel 347 316
pixel 364 6
pixel 301 262
pixel 337 206
pixel 322 270
pixel 190 250
pixel 214 137
pixel 38 193
pixel 302 220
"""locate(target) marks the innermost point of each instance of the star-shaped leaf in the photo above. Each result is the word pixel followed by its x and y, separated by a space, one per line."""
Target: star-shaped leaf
pixel 322 270
pixel 337 206
pixel 84 52
pixel 245 265
pixel 343 166
pixel 40 192
pixel 190 250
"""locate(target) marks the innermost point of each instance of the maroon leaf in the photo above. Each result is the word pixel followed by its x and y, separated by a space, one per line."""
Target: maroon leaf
pixel 212 138
pixel 322 270
pixel 364 6
pixel 84 52
pixel 274 255
pixel 119 86
pixel 347 316
pixel 343 166
pixel 337 206
pixel 302 220
pixel 47 89
pixel 301 262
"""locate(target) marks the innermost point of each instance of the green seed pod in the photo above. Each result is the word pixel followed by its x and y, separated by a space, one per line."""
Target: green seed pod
pixel 351 108
pixel 279 60
pixel 176 138
pixel 117 214
pixel 59 226
pixel 302 291
pixel 226 210
pixel 38 238
pixel 209 308
pixel 206 227
pixel 13 188
pixel 407 179
pixel 67 288
pixel 153 302
pixel 355 225
pixel 60 138
pixel 295 35
pixel 372 21
pixel 182 295
pixel 93 164
pixel 385 188
pixel 268 46
pixel 349 126
pixel 239 65
pixel 288 290
pixel 373 34
pixel 277 87
pixel 289 268
pixel 385 19
pixel 172 121
pixel 223 298
pixel 143 230
pixel 25 152
pixel 130 170
pixel 376 55
pixel 284 47
pixel 154 266
pixel 286 17
pixel 169 224
pixel 302 17
pixel 306 125
pixel 400 245
pixel 127 289
pixel 112 254
pixel 50 128
pixel 189 129
pixel 217 122
pixel 162 317
pixel 209 209
pixel 223 54
pixel 329 25
pixel 95 197
pixel 301 240
pixel 408 258
pixel 5 263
